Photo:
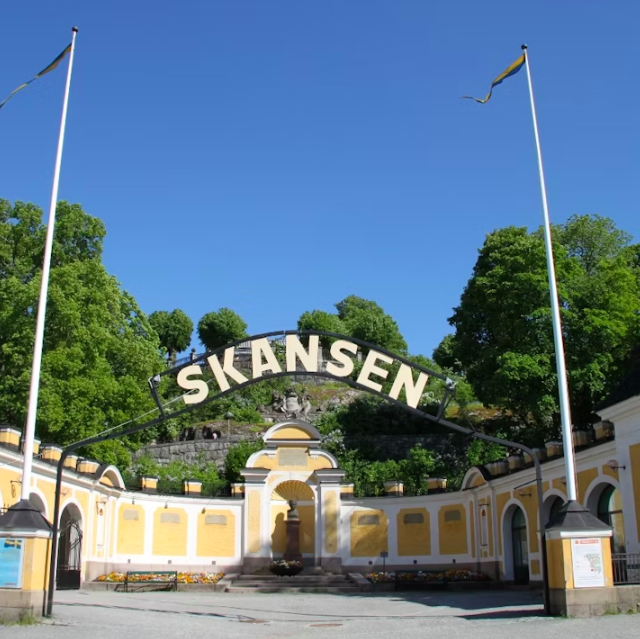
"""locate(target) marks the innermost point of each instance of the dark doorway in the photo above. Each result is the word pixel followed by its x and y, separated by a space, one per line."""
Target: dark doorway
pixel 520 548
pixel 69 551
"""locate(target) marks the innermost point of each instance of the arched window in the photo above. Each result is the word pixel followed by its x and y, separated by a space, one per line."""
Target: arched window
pixel 610 512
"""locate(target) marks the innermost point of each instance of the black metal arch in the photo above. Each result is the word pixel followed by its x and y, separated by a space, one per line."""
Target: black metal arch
pixel 438 419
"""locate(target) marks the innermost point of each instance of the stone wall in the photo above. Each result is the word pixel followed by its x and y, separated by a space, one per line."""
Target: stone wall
pixel 213 450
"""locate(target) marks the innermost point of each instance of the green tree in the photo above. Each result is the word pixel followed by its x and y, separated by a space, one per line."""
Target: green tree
pixel 174 330
pixel 99 349
pixel 366 320
pixel 237 458
pixel 221 327
pixel 444 354
pixel 504 336
pixel 322 321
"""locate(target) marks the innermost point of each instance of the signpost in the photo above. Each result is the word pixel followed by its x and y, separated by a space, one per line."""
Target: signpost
pixel 588 566
pixel 11 562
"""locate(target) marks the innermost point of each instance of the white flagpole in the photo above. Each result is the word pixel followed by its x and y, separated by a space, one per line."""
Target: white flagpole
pixel 563 388
pixel 44 288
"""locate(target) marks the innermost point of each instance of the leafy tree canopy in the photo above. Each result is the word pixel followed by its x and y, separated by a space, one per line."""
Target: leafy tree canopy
pixel 359 318
pixel 221 327
pixel 322 321
pixel 99 347
pixel 504 337
pixel 174 330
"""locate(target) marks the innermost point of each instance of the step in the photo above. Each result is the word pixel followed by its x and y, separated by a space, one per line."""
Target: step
pixel 292 588
pixel 304 578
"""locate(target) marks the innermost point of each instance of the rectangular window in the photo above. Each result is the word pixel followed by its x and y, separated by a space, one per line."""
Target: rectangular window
pixel 369 520
pixel 130 514
pixel 413 518
pixel 215 520
pixel 452 515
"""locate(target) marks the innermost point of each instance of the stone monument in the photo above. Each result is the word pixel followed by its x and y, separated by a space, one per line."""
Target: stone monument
pixel 292 551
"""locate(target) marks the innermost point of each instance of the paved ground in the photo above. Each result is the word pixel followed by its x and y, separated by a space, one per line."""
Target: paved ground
pixel 164 615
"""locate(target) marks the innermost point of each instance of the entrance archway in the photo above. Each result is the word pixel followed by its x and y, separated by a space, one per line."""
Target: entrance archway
pixel 69 563
pixel 515 551
pixel 407 384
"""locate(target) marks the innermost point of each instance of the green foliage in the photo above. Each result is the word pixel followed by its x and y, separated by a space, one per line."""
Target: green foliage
pixel 221 327
pixel 174 330
pixel 173 474
pixel 99 348
pixel 322 321
pixel 504 337
pixel 366 320
pixel 237 459
pixel 444 354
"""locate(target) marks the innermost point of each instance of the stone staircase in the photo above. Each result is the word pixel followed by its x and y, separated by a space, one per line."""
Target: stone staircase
pixel 309 580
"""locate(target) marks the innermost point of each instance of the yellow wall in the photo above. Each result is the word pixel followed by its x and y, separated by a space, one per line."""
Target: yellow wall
pixel 170 539
pixel 634 462
pixel 291 433
pixel 501 501
pixel 453 533
pixel 264 461
pixel 478 481
pixel 559 484
pixel 216 540
pixel 331 521
pixel 254 521
pixel 36 564
pixel 279 530
pixel 414 538
pixel 585 477
pixel 368 540
pixel 48 489
pixel 6 476
pixel 530 505
pixel 130 531
pixel 612 472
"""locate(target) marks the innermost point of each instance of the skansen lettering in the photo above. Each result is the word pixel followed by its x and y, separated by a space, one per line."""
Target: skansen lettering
pixel 297 357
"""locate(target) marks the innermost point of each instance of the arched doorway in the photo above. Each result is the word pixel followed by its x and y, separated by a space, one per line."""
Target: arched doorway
pixel 609 511
pixel 519 547
pixel 303 495
pixel 69 549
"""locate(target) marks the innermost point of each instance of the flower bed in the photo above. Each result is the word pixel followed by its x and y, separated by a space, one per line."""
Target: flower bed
pixel 284 568
pixel 426 576
pixel 183 578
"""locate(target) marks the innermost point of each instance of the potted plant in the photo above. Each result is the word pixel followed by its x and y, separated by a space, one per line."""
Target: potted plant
pixel 285 568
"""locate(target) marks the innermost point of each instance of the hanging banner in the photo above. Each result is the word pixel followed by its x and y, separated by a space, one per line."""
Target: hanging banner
pixel 588 569
pixel 11 557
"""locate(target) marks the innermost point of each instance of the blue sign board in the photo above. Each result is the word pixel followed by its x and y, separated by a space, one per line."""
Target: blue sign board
pixel 11 554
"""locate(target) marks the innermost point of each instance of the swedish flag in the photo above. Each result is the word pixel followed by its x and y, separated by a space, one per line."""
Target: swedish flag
pixel 44 71
pixel 507 73
pixel 13 543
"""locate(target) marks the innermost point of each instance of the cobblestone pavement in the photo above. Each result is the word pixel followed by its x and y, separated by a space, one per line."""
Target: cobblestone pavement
pixel 164 615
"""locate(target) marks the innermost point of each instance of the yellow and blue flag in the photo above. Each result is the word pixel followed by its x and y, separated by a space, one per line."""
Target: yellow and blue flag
pixel 51 67
pixel 507 73
pixel 13 543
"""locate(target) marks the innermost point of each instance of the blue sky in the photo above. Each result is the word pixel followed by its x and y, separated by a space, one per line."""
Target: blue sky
pixel 275 156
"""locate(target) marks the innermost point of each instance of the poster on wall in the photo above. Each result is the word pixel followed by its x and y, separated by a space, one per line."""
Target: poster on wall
pixel 11 554
pixel 588 569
